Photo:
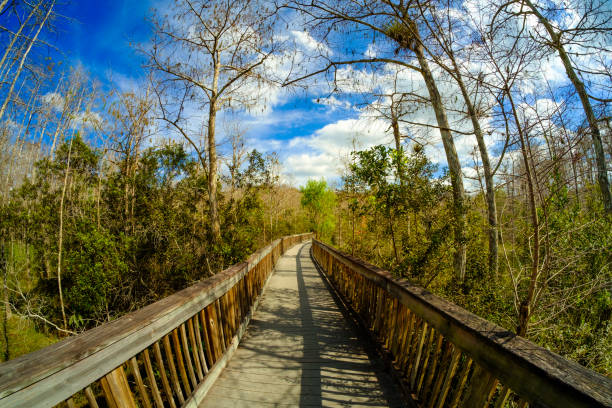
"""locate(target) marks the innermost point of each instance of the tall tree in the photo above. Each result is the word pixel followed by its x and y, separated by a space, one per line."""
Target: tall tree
pixel 216 50
pixel 447 28
pixel 36 32
pixel 593 21
pixel 399 22
pixel 319 201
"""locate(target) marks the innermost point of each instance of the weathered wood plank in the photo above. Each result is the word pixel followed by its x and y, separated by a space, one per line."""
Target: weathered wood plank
pixel 173 372
pixel 152 382
pixel 450 372
pixel 118 388
pixel 180 362
pixel 194 335
pixel 203 389
pixel 187 354
pixel 108 395
pixel 144 395
pixel 454 402
pixel 211 329
pixel 78 361
pixel 91 398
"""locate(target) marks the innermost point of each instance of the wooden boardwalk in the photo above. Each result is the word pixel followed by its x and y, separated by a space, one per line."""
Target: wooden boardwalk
pixel 299 350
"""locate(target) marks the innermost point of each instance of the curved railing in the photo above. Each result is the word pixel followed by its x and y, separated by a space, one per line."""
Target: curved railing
pixel 446 356
pixel 166 354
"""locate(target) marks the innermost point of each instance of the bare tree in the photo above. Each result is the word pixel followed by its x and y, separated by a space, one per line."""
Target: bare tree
pixel 132 114
pixel 594 20
pixel 17 35
pixel 236 138
pixel 24 56
pixel 447 50
pixel 216 50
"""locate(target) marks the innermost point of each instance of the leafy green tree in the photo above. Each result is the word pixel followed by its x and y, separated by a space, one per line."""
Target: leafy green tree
pixel 63 185
pixel 95 269
pixel 319 201
pixel 402 191
pixel 376 169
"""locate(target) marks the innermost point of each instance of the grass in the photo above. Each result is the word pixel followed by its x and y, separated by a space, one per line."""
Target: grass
pixel 23 337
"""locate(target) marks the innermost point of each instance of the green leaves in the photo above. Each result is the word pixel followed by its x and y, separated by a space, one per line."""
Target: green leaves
pixel 400 190
pixel 95 266
pixel 320 202
pixel 399 182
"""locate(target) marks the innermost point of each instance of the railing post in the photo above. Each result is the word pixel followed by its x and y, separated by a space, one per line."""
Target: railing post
pixel 117 390
pixel 482 388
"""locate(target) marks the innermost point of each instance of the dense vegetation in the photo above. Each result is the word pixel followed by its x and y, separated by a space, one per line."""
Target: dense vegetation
pixel 403 224
pixel 112 199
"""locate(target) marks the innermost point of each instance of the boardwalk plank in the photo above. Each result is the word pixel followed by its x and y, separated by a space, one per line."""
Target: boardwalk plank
pixel 300 351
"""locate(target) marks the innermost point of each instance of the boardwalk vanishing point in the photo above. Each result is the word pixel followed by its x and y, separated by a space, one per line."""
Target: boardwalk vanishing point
pixel 300 350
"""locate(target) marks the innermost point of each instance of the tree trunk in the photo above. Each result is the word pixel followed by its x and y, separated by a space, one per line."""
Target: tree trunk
pixel 488 175
pixel 395 251
pixel 3 5
pixel 17 34
pixel 398 146
pixel 61 236
pixel 454 166
pixel 212 176
pixel 63 122
pixel 396 133
pixel 600 157
pixel 22 62
pixel 212 160
pixel 7 306
pixel 20 141
pixel 98 194
pixel 353 233
pixel 42 133
pixel 526 305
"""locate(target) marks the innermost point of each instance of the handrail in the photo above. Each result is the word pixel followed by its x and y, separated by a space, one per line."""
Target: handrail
pixel 165 354
pixel 447 356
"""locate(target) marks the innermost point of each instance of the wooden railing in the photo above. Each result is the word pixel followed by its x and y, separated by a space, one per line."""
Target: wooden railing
pixel 166 354
pixel 448 357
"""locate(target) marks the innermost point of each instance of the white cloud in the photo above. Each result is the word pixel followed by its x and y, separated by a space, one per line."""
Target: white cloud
pixel 337 138
pixel 371 51
pixel 334 103
pixel 53 100
pixel 303 166
pixel 323 153
pixel 124 83
pixel 308 43
pixel 320 153
pixel 553 70
pixel 12 125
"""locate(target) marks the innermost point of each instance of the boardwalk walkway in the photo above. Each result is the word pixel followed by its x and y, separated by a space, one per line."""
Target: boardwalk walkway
pixel 300 351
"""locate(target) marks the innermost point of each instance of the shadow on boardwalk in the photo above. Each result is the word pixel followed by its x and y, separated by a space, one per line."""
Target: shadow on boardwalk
pixel 299 350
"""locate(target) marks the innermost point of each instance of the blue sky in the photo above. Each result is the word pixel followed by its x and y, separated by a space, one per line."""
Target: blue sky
pixel 102 38
pixel 312 130
pixel 99 36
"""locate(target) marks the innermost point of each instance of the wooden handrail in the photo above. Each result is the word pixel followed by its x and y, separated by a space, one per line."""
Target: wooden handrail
pixel 165 354
pixel 447 356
